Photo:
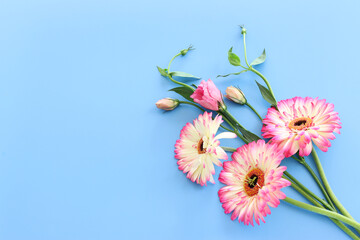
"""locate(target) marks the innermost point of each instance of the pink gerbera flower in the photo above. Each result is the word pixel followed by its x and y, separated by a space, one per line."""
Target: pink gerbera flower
pixel 254 180
pixel 300 120
pixel 198 148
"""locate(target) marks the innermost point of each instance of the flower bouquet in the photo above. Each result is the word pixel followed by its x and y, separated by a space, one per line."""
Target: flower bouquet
pixel 254 178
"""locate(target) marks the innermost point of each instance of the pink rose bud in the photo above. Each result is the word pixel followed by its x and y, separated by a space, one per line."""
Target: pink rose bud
pixel 208 96
pixel 236 95
pixel 167 104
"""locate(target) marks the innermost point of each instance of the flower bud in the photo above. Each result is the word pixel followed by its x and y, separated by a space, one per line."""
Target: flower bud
pixel 167 104
pixel 208 96
pixel 184 51
pixel 236 95
pixel 243 29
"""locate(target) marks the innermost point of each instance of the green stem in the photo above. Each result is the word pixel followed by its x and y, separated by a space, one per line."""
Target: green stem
pixel 301 191
pixel 228 115
pixel 192 104
pixel 229 149
pixel 318 182
pixel 323 211
pixel 337 222
pixel 256 71
pixel 265 80
pixel 297 159
pixel 177 82
pixel 327 185
pixel 253 109
pixel 227 129
pixel 306 190
pixel 245 50
pixel 235 129
pixel 316 179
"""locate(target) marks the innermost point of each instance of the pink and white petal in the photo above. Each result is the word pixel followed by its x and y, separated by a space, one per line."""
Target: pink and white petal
pixel 306 150
pixel 221 154
pixel 226 135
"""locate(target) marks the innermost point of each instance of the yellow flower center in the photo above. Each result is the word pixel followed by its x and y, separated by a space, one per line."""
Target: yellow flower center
pixel 254 181
pixel 300 123
pixel 200 147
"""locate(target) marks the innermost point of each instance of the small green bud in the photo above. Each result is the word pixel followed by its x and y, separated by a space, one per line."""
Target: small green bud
pixel 184 51
pixel 243 29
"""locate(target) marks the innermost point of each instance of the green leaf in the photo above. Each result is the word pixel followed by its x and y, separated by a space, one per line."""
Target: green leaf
pixel 260 59
pixel 233 58
pixel 184 91
pixel 266 94
pixel 237 73
pixel 183 75
pixel 249 136
pixel 163 72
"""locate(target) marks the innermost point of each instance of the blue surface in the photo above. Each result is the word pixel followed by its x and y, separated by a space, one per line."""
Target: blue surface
pixel 84 153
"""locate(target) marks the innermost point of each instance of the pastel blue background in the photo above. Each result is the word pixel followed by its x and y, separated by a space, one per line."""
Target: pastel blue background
pixel 84 153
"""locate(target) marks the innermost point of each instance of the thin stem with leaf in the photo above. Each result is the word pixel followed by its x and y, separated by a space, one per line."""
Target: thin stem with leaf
pixel 172 79
pixel 253 109
pixel 251 68
pixel 235 128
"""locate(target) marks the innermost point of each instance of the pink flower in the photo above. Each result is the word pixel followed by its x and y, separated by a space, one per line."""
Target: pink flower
pixel 299 122
pixel 198 149
pixel 253 182
pixel 167 104
pixel 208 95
